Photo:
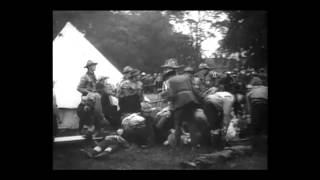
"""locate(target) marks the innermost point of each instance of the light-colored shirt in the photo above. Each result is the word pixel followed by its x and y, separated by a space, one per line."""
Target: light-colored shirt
pixel 260 92
pixel 87 83
pixel 129 88
pixel 219 98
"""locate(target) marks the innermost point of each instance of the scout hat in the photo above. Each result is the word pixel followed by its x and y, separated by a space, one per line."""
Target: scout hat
pixel 127 69
pixel 133 73
pixel 203 66
pixel 171 63
pixel 90 63
pixel 188 69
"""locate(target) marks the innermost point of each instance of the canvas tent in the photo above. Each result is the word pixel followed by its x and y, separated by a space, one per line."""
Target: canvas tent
pixel 71 51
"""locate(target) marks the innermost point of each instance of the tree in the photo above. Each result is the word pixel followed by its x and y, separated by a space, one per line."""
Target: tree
pixel 142 39
pixel 247 33
pixel 202 25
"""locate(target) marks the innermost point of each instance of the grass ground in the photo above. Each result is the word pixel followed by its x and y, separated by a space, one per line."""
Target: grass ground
pixel 69 156
pixel 155 158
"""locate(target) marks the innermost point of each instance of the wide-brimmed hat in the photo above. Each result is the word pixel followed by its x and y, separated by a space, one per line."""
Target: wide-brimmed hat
pixel 90 63
pixel 133 73
pixel 171 63
pixel 127 69
pixel 203 66
pixel 188 69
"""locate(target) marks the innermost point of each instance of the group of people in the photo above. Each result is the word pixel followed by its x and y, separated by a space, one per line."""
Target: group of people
pixel 207 101
pixel 151 82
pixel 200 104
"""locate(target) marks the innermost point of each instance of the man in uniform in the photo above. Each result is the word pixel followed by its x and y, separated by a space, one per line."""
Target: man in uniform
pixel 203 80
pixel 87 86
pixel 218 108
pixel 126 70
pixel 130 93
pixel 189 71
pixel 164 120
pixel 257 99
pixel 108 108
pixel 183 100
pixel 239 90
pixel 227 82
pixel 120 94
pixel 158 82
pixel 88 81
pixel 263 76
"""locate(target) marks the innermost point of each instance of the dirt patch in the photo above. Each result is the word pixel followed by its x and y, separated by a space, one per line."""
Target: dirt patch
pixel 155 158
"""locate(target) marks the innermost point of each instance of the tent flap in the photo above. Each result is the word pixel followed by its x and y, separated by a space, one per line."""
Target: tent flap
pixel 71 51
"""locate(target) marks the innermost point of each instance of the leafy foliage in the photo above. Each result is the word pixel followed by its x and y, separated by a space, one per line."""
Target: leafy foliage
pixel 247 32
pixel 142 39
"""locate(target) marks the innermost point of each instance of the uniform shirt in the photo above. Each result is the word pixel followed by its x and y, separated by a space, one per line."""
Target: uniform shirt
pixel 264 78
pixel 87 83
pixel 180 91
pixel 219 98
pixel 258 92
pixel 129 88
pixel 202 81
pixel 119 93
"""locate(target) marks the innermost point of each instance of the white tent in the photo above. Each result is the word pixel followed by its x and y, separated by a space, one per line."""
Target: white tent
pixel 71 51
